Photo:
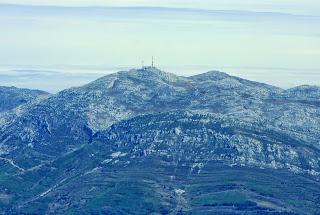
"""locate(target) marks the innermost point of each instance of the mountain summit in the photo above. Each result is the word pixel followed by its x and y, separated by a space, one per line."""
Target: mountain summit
pixel 146 141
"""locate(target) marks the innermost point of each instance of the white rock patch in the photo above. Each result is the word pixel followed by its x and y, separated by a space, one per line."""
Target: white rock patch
pixel 118 154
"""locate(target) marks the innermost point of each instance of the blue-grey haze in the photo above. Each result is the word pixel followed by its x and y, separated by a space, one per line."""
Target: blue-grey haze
pixel 274 43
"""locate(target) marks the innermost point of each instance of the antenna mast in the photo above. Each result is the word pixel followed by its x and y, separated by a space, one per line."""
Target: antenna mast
pixel 152 64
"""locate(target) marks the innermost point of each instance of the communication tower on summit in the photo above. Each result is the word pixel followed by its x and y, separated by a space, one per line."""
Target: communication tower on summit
pixel 146 67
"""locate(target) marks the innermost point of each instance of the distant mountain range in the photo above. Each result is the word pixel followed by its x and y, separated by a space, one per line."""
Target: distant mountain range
pixel 149 142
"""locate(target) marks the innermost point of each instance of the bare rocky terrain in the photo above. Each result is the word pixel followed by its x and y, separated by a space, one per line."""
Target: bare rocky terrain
pixel 149 142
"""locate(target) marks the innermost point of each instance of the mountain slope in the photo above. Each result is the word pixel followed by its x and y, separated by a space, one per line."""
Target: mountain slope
pixel 175 162
pixel 74 115
pixel 225 144
pixel 66 120
pixel 14 102
pixel 303 92
pixel 12 97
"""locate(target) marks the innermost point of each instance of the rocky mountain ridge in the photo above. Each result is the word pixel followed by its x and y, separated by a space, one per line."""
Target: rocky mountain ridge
pixel 12 97
pixel 177 126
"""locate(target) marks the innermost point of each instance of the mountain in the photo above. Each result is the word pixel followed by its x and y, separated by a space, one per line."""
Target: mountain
pixel 74 115
pixel 70 118
pixel 15 101
pixel 304 92
pixel 145 141
pixel 80 112
pixel 12 97
pixel 174 162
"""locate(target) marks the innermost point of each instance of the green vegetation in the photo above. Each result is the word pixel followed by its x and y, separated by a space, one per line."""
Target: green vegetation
pixel 223 198
pixel 124 198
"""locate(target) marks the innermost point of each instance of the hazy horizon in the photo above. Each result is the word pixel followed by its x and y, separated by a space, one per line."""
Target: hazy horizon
pixel 276 42
pixel 55 79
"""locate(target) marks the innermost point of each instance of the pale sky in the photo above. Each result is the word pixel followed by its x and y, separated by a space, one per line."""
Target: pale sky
pixel 277 42
pixel 292 6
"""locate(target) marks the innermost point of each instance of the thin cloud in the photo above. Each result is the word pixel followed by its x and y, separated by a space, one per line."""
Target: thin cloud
pixel 306 7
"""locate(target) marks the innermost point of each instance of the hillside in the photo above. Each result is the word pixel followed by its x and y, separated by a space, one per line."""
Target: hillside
pixel 146 141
